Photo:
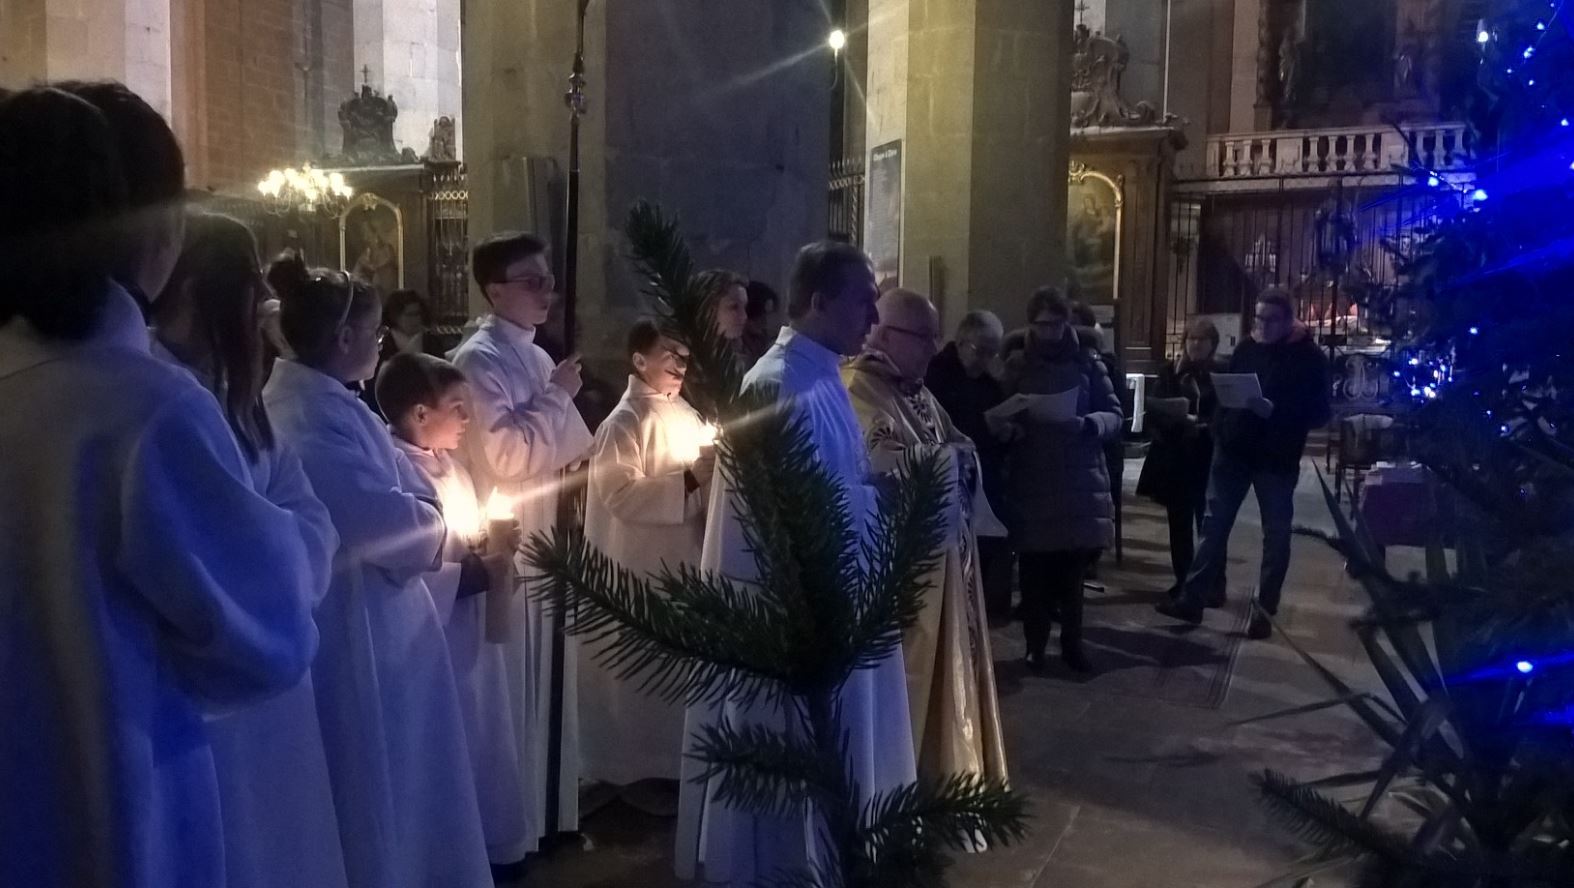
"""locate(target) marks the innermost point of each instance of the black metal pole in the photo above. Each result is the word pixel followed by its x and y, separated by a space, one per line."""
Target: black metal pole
pixel 575 99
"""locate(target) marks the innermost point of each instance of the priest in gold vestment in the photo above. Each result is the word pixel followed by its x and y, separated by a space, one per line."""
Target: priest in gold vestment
pixel 950 673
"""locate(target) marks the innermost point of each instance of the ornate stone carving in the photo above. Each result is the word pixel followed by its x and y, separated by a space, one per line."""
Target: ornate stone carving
pixel 1097 63
pixel 440 146
pixel 367 120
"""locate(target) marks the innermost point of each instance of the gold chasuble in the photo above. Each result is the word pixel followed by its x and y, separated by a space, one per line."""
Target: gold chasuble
pixel 950 672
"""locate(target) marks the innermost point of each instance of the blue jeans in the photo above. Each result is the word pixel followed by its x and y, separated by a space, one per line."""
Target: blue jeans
pixel 1228 481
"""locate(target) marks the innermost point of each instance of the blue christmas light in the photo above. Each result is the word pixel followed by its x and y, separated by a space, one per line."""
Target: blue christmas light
pixel 1525 667
pixel 1529 51
pixel 1475 331
pixel 1563 122
pixel 1433 181
pixel 1480 194
pixel 1541 26
pixel 1483 37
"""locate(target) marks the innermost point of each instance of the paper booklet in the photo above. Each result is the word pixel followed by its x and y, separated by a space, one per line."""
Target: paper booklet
pixel 1235 389
pixel 1041 408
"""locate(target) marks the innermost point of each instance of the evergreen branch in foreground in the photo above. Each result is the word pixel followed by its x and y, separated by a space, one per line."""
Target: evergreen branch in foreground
pixel 1329 826
pixel 762 770
pixel 903 547
pixel 735 654
pixel 958 812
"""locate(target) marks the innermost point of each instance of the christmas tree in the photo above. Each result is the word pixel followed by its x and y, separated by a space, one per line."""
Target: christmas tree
pixel 1476 658
pixel 828 600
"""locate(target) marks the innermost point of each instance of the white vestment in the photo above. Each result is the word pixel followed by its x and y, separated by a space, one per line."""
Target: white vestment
pixel 724 845
pixel 145 586
pixel 480 669
pixel 524 432
pixel 640 513
pixel 279 831
pixel 385 688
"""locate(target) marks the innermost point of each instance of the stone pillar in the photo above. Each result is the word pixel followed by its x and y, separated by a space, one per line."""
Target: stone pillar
pixel 410 50
pixel 127 40
pixel 978 92
pixel 718 110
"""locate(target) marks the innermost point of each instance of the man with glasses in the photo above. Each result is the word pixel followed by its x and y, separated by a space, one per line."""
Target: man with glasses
pixel 950 673
pixel 525 431
pixel 965 379
pixel 1260 448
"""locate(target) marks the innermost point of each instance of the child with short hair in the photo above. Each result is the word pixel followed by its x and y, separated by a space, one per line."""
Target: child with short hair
pixel 426 402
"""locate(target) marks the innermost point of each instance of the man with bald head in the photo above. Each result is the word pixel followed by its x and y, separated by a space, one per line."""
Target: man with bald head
pixel 950 673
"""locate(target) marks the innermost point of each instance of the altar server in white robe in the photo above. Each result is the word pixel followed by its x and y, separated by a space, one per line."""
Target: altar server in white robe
pixel 385 687
pixel 276 831
pixel 650 472
pixel 145 584
pixel 526 431
pixel 831 305
pixel 426 401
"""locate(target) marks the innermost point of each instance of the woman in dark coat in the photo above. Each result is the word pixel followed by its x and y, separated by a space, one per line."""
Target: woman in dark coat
pixel 1062 511
pixel 1175 474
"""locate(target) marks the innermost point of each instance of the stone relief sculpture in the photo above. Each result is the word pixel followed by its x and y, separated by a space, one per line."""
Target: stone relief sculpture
pixel 367 120
pixel 441 146
pixel 1097 63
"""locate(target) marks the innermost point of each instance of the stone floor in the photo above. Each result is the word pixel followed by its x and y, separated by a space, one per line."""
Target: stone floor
pixel 1139 776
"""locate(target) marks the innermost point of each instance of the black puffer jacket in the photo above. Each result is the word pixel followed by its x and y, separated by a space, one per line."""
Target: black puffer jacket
pixel 1059 491
pixel 1295 376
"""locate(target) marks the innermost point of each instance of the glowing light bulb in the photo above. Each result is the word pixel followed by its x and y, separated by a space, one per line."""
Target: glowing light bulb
pixel 1433 181
pixel 1529 51
pixel 1525 667
pixel 1563 122
pixel 1483 36
pixel 1475 331
pixel 1480 194
pixel 837 40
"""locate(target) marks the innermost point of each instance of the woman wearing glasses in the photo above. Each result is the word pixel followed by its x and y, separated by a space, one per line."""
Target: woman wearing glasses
pixel 1063 512
pixel 386 698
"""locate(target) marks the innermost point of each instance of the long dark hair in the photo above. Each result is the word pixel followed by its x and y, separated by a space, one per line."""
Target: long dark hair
pixel 63 193
pixel 218 283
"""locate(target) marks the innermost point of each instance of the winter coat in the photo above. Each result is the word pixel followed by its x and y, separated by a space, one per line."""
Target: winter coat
pixel 965 399
pixel 1060 492
pixel 1294 375
pixel 1176 470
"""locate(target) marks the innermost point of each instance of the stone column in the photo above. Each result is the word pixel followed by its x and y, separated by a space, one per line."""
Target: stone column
pixel 410 50
pixel 127 40
pixel 719 110
pixel 978 93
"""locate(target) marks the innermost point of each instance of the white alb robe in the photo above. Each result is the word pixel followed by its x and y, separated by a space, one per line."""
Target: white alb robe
pixel 385 687
pixel 639 513
pixel 279 831
pixel 480 669
pixel 146 586
pixel 524 432
pixel 724 845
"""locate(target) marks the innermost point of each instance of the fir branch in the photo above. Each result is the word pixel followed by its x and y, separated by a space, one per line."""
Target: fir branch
pixel 903 547
pixel 762 770
pixel 1324 823
pixel 961 810
pixel 735 654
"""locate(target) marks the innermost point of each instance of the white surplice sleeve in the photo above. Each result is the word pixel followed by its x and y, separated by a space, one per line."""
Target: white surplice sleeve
pixel 618 479
pixel 518 440
pixel 226 570
pixel 290 489
pixel 379 523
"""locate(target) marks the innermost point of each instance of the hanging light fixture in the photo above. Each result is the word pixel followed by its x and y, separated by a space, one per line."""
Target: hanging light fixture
pixel 306 190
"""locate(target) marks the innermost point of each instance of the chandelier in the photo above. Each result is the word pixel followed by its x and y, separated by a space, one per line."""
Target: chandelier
pixel 306 190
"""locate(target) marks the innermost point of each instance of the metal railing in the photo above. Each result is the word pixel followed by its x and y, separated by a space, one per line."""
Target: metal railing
pixel 847 200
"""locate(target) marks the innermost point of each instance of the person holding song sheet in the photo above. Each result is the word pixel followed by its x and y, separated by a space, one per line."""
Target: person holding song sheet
pixel 1258 445
pixel 1063 513
pixel 1175 474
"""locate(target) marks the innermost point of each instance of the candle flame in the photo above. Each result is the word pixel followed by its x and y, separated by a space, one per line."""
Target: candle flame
pixel 499 507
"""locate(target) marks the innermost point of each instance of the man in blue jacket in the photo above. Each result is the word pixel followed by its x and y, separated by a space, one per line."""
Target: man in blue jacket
pixel 1260 448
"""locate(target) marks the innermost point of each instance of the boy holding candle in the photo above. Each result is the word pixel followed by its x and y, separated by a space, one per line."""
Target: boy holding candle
pixel 425 399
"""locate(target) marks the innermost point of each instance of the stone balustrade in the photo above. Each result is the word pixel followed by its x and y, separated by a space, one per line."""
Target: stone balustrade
pixel 1331 152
